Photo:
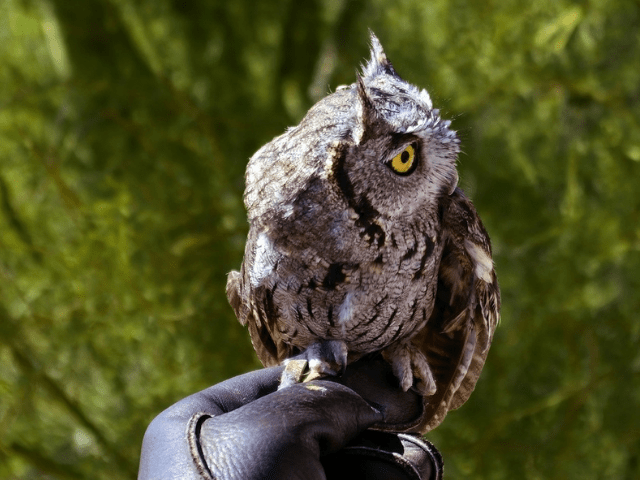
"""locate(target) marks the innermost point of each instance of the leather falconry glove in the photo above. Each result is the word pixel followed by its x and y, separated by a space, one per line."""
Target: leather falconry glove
pixel 245 428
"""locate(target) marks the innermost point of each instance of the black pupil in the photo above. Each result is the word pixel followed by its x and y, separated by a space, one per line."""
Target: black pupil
pixel 404 158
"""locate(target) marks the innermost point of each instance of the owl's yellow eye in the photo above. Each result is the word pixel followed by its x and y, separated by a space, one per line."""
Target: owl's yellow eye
pixel 405 162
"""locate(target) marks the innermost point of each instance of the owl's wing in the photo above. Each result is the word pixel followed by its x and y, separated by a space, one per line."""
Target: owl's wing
pixel 459 332
pixel 265 337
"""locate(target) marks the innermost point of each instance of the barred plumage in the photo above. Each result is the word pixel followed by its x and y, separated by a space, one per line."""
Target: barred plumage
pixel 360 241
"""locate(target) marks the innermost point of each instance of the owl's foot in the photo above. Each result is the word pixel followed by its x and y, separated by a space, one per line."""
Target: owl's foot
pixel 325 358
pixel 411 368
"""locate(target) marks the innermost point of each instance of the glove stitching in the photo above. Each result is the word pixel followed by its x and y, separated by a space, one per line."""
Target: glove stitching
pixel 195 448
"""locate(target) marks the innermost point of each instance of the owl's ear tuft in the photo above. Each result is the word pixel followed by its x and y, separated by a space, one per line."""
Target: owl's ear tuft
pixel 379 63
pixel 369 112
pixel 369 121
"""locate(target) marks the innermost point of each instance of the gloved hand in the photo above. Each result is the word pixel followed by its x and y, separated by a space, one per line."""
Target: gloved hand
pixel 244 428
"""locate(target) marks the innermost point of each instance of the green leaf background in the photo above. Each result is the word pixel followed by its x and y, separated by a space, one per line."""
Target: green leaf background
pixel 125 129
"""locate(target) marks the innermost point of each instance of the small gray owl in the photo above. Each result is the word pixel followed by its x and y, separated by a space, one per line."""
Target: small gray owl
pixel 360 241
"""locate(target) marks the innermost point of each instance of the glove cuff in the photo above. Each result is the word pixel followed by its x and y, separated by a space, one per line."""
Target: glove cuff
pixel 382 455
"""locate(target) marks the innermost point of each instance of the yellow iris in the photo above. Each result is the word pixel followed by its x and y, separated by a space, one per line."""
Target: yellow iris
pixel 404 162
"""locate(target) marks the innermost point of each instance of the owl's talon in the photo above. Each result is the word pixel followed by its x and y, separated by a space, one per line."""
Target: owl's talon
pixel 411 368
pixel 325 358
pixel 293 373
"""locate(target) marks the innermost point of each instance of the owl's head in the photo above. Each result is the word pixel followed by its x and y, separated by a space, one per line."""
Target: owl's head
pixel 400 154
pixel 379 144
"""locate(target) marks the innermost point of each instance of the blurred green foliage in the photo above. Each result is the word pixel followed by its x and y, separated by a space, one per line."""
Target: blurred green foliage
pixel 125 128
